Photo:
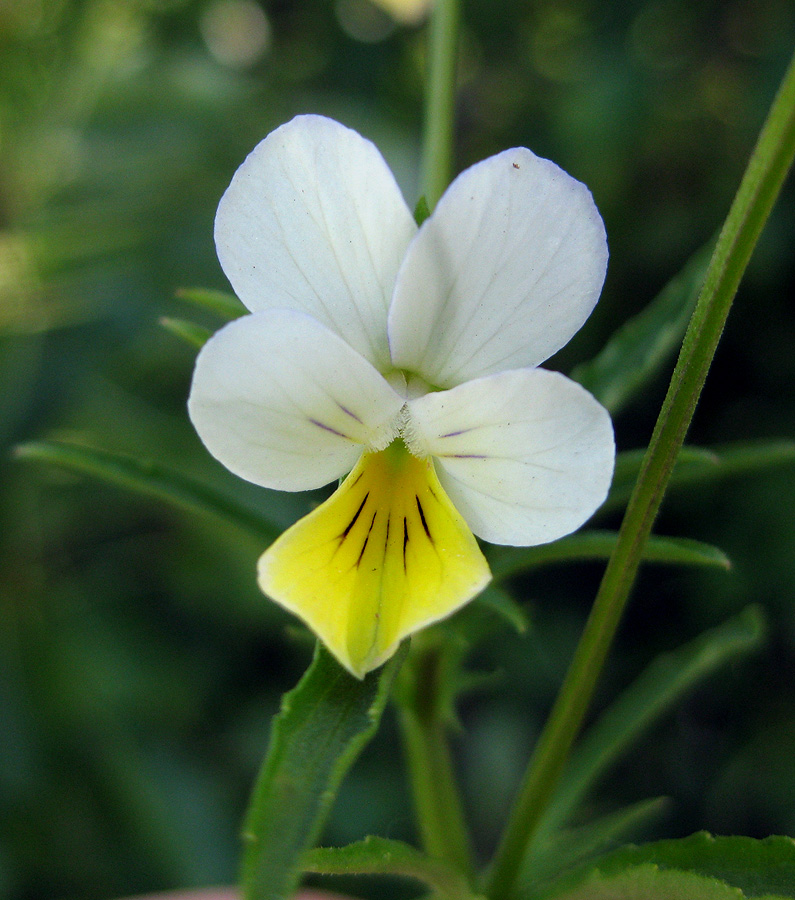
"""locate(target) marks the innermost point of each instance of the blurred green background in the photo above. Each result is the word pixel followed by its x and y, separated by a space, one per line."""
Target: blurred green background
pixel 139 665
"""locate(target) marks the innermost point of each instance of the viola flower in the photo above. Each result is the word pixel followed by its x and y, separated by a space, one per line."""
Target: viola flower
pixel 407 358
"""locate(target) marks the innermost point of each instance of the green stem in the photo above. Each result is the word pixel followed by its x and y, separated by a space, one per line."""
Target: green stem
pixel 440 100
pixel 434 788
pixel 760 186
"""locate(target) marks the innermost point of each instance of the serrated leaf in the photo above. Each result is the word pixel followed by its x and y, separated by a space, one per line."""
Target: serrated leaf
pixel 649 883
pixel 639 349
pixel 323 725
pixel 223 304
pixel 752 868
pixel 599 545
pixel 380 856
pixel 700 465
pixel 649 697
pixel 152 479
pixel 571 848
pixel 193 334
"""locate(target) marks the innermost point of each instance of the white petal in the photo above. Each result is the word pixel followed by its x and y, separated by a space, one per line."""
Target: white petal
pixel 526 456
pixel 282 401
pixel 503 273
pixel 314 220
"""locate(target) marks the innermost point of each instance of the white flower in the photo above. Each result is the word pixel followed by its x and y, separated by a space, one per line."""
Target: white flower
pixel 409 357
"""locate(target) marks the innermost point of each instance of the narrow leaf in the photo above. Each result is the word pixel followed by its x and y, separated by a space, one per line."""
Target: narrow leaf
pixel 639 349
pixel 500 602
pixel 752 868
pixel 700 465
pixel 599 545
pixel 323 725
pixel 652 694
pixel 572 848
pixel 379 856
pixel 152 479
pixel 219 302
pixel 193 334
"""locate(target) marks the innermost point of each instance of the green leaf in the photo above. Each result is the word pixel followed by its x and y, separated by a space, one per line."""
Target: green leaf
pixel 757 867
pixel 499 601
pixel 599 545
pixel 649 697
pixel 323 725
pixel 152 479
pixel 700 465
pixel 379 856
pixel 649 883
pixel 639 349
pixel 193 334
pixel 223 304
pixel 571 848
pixel 752 868
pixel 421 210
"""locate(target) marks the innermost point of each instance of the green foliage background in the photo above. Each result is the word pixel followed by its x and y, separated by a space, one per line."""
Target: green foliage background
pixel 139 665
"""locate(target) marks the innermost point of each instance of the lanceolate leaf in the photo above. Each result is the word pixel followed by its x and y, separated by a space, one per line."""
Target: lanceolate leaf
pixel 499 601
pixel 750 868
pixel 702 465
pixel 193 334
pixel 650 696
pixel 599 545
pixel 152 479
pixel 323 725
pixel 379 856
pixel 219 302
pixel 639 349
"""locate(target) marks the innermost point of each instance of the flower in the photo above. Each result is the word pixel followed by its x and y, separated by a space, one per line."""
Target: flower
pixel 408 12
pixel 406 357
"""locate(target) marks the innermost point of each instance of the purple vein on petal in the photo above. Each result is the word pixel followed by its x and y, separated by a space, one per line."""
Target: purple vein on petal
pixel 329 428
pixel 348 412
pixel 451 434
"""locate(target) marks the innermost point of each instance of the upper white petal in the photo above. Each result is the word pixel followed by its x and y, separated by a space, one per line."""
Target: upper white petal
pixel 503 273
pixel 284 402
pixel 314 220
pixel 526 456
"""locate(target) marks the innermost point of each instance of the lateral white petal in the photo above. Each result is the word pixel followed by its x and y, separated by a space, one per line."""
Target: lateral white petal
pixel 526 456
pixel 314 220
pixel 284 402
pixel 503 273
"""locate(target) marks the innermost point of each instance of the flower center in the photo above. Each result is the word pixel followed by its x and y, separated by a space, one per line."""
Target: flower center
pixel 403 431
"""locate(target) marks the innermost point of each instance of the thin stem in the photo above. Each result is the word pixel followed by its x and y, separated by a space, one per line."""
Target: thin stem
pixel 437 155
pixel 434 788
pixel 760 186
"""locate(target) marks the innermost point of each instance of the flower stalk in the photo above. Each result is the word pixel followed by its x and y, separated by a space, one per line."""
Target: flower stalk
pixel 440 100
pixel 437 804
pixel 761 184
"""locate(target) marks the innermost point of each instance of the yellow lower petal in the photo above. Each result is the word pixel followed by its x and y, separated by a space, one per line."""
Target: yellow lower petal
pixel 385 555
